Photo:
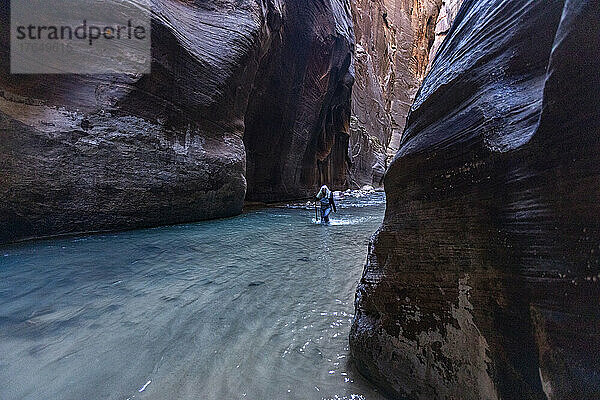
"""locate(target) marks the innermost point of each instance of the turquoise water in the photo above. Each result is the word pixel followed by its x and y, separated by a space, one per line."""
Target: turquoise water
pixel 253 307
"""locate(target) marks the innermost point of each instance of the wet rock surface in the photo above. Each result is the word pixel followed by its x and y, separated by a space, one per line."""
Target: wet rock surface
pixel 483 281
pixel 92 153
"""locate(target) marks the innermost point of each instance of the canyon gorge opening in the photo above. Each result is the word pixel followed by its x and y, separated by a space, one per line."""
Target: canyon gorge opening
pixel 479 118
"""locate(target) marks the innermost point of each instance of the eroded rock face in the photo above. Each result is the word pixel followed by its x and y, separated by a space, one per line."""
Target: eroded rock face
pixel 298 116
pixel 88 153
pixel 483 281
pixel 394 42
pixel 93 153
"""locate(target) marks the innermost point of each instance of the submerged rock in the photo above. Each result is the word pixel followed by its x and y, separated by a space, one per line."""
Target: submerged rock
pixel 484 280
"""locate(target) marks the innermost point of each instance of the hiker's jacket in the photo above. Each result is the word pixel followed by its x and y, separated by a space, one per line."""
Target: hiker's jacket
pixel 325 196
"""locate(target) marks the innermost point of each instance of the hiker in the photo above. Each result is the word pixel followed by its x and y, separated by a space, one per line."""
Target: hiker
pixel 325 197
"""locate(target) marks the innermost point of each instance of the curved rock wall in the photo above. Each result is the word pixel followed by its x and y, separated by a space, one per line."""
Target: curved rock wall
pixel 394 42
pixel 90 153
pixel 94 153
pixel 298 116
pixel 483 281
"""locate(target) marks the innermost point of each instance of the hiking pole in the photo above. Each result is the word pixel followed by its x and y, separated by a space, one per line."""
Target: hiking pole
pixel 316 212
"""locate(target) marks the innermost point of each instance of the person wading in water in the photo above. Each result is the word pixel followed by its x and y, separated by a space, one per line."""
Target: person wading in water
pixel 325 197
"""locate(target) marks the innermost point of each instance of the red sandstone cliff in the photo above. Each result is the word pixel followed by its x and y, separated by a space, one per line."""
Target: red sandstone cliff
pixel 395 41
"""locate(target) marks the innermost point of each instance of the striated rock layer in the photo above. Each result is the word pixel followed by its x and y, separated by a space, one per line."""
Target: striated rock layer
pixel 86 153
pixel 394 42
pixel 92 153
pixel 484 280
pixel 298 116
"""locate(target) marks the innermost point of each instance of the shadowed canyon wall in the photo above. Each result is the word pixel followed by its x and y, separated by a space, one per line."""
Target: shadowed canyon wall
pixel 484 280
pixel 395 40
pixel 299 111
pixel 91 153
pixel 246 99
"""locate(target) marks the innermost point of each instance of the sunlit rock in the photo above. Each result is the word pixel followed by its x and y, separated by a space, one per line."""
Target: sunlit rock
pixel 395 41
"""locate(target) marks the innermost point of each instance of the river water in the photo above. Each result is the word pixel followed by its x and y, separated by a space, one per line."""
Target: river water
pixel 253 307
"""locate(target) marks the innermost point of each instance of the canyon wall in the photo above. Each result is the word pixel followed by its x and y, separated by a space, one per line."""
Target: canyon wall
pixel 298 116
pixel 82 153
pixel 484 280
pixel 395 40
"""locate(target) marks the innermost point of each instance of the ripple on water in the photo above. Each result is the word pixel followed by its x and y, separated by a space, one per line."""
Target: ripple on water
pixel 257 306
